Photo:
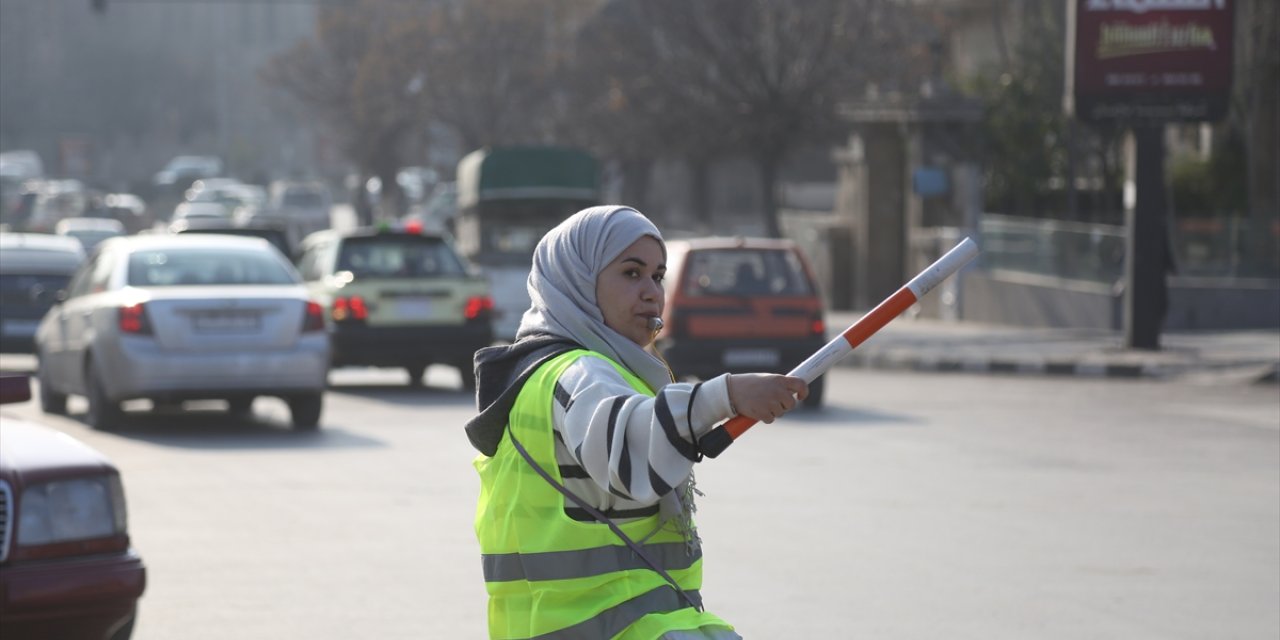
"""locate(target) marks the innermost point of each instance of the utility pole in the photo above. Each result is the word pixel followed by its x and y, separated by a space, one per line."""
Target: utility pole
pixel 1146 298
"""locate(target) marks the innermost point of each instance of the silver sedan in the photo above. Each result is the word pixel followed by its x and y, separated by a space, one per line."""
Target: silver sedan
pixel 186 317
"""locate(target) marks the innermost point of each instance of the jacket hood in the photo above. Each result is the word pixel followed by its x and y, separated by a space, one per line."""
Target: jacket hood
pixel 501 372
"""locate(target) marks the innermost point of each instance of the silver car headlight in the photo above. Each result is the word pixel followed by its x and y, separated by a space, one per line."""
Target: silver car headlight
pixel 73 509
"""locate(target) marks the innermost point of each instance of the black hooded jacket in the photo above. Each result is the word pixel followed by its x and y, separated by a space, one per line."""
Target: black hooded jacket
pixel 501 372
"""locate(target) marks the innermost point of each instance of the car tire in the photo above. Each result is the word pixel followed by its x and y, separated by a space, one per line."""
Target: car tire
pixel 240 407
pixel 416 371
pixel 467 372
pixel 814 401
pixel 51 401
pixel 304 411
pixel 103 412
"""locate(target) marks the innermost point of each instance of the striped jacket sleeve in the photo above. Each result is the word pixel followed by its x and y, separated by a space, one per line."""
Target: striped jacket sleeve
pixel 634 446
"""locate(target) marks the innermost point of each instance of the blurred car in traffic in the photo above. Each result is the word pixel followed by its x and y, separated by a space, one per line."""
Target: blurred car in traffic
pixel 34 270
pixel 438 211
pixel 89 231
pixel 44 202
pixel 16 169
pixel 305 207
pixel 67 567
pixel 207 213
pixel 398 297
pixel 416 183
pixel 232 194
pixel 181 171
pixel 183 317
pixel 129 209
pixel 21 164
pixel 209 187
pixel 740 305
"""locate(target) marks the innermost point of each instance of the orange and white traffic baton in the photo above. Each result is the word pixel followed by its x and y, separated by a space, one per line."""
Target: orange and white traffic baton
pixel 719 439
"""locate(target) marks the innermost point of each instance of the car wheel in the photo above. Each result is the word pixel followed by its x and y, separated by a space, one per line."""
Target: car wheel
pixel 103 413
pixel 416 371
pixel 240 407
pixel 305 411
pixel 468 374
pixel 814 401
pixel 50 401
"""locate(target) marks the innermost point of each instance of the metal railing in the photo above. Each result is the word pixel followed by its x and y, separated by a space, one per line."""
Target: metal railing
pixel 1072 250
pixel 1201 247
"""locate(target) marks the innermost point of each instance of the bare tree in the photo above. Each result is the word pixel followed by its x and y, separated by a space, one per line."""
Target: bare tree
pixel 628 105
pixel 380 71
pixel 759 77
pixel 355 77
pixel 492 67
pixel 670 77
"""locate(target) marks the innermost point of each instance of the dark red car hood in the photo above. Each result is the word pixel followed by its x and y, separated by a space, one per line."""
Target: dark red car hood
pixel 30 453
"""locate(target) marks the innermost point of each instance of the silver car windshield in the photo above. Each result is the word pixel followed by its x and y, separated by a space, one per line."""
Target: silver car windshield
pixel 195 267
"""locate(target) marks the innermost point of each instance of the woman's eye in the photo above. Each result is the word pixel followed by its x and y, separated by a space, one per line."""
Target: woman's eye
pixel 659 277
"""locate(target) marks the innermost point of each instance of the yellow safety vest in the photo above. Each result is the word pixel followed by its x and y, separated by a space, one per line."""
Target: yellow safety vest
pixel 550 576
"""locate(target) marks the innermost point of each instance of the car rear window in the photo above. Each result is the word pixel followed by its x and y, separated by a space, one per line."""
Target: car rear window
pixel 166 268
pixel 303 199
pixel 745 272
pixel 20 288
pixel 399 256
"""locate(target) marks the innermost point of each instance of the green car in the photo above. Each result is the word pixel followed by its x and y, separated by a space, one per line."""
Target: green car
pixel 398 297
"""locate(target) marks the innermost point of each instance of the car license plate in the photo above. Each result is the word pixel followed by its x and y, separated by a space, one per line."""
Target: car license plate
pixel 226 321
pixel 413 307
pixel 24 328
pixel 751 358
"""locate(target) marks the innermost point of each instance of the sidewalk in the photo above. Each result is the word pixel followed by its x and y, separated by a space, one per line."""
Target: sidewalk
pixel 934 345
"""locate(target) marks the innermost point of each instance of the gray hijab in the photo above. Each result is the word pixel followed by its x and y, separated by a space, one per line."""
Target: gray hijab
pixel 562 285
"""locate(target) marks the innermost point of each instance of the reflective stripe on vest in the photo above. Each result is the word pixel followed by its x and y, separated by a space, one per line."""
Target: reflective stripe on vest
pixel 560 565
pixel 613 621
pixel 550 576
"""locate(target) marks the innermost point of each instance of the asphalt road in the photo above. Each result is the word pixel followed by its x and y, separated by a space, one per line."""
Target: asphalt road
pixel 913 506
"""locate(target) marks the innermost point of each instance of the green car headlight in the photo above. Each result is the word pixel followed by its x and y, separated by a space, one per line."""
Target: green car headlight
pixel 77 509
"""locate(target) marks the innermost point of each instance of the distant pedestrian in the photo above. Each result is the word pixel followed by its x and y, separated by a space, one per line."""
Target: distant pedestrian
pixel 587 446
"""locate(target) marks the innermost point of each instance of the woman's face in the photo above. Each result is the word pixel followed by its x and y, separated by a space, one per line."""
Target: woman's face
pixel 629 290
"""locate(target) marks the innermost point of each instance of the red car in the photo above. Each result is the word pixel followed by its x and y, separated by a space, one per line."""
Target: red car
pixel 67 569
pixel 738 305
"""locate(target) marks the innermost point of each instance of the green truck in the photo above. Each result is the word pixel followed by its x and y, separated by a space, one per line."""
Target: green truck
pixel 508 198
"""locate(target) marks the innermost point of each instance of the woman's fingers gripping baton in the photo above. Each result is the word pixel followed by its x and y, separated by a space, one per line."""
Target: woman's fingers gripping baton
pixel 765 396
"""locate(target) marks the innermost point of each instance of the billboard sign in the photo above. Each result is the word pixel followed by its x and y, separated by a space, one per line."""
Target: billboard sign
pixel 1149 60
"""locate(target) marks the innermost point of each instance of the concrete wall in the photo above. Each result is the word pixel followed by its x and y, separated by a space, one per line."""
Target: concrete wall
pixel 1021 299
pixel 1211 303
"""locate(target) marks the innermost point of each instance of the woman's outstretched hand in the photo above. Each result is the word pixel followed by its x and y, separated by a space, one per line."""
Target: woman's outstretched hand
pixel 765 396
